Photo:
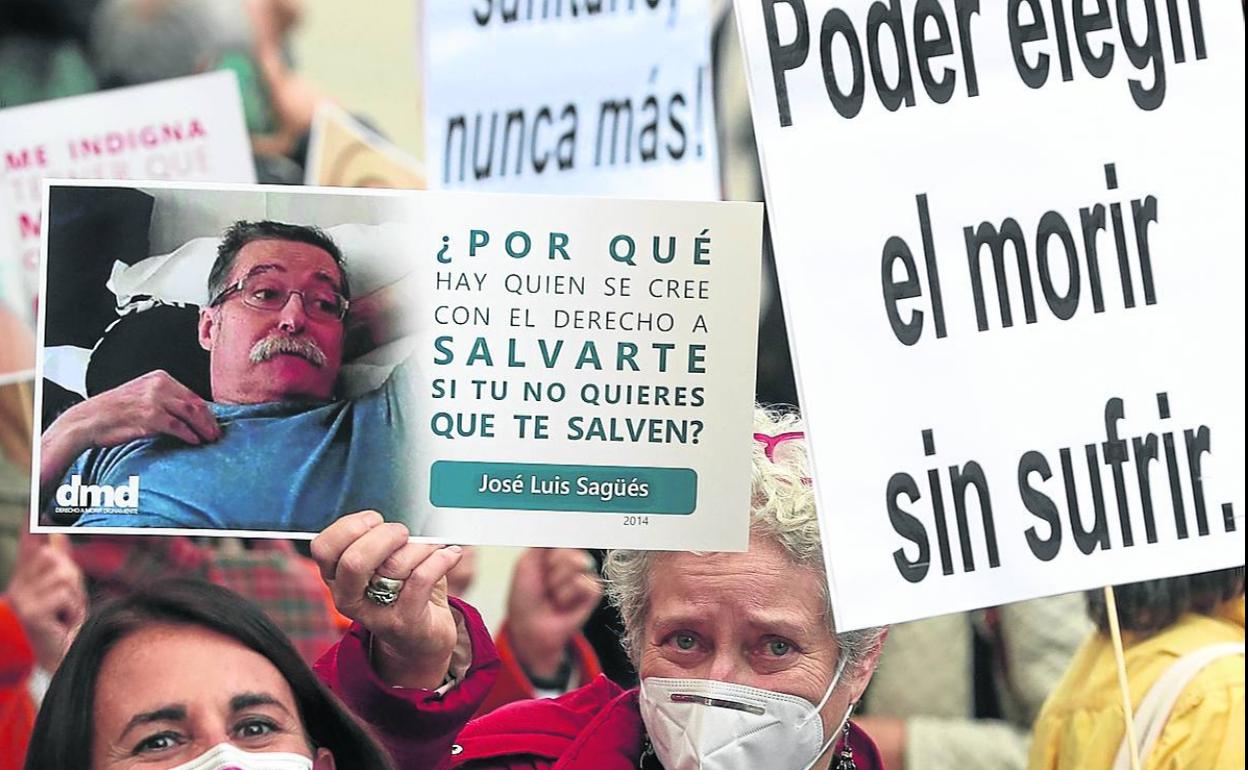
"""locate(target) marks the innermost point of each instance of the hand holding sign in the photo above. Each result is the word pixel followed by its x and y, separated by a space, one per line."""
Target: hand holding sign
pixel 415 636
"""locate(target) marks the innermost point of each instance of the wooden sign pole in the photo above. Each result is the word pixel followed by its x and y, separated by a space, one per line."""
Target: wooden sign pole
pixel 1128 714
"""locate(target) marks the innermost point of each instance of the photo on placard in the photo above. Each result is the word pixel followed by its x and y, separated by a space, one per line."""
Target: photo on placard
pixel 515 370
pixel 198 368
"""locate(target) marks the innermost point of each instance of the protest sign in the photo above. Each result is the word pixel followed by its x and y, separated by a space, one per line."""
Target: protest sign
pixel 1010 244
pixel 188 129
pixel 342 152
pixel 519 370
pixel 602 98
pixel 17 355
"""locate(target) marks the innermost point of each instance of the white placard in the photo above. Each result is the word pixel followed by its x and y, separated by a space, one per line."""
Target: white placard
pixel 189 129
pixel 539 371
pixel 16 362
pixel 932 399
pixel 605 98
pixel 12 284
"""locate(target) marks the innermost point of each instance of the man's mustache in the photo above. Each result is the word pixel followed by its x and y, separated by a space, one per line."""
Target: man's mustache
pixel 271 347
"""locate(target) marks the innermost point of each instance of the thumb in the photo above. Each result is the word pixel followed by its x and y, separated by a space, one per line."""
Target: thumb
pixel 435 568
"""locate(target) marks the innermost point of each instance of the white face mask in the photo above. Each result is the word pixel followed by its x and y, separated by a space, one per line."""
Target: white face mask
pixel 698 724
pixel 224 756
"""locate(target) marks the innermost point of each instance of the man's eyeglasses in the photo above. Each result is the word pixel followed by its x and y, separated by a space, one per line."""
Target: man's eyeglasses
pixel 266 292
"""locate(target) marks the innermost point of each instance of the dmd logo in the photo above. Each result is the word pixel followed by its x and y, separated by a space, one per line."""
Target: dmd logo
pixel 76 497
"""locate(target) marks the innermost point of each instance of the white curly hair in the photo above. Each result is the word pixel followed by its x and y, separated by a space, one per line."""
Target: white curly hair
pixel 782 509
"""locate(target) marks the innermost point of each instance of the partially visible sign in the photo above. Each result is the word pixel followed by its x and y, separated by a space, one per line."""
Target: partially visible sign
pixel 342 152
pixel 594 98
pixel 188 129
pixel 17 355
pixel 17 348
pixel 1010 241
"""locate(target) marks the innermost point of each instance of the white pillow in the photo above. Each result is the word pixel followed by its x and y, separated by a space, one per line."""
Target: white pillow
pixel 179 276
pixel 376 256
pixel 66 365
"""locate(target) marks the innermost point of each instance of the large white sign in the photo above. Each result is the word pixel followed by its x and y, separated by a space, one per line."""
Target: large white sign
pixel 1010 238
pixel 188 129
pixel 603 98
pixel 522 370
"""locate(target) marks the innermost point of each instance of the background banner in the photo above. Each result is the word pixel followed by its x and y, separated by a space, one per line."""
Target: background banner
pixel 188 129
pixel 602 98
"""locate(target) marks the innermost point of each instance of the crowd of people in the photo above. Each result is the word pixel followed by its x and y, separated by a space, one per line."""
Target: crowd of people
pixel 358 655
pixel 357 652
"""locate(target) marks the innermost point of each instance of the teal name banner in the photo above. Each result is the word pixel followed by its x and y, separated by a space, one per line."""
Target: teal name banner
pixel 584 488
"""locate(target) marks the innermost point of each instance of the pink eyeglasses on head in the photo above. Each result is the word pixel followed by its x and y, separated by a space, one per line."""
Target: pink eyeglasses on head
pixel 771 442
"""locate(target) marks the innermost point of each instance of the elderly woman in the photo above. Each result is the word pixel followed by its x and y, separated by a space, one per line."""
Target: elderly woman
pixel 741 668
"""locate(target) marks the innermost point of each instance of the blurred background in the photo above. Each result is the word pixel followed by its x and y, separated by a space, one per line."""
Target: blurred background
pixel 367 62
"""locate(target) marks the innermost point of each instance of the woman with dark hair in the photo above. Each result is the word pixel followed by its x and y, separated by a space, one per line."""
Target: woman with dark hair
pixel 1183 640
pixel 186 675
pixel 184 669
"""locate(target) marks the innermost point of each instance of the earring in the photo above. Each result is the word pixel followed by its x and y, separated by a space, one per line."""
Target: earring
pixel 845 761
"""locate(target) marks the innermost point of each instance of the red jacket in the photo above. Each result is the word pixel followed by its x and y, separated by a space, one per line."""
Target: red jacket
pixel 513 683
pixel 417 727
pixel 597 727
pixel 17 712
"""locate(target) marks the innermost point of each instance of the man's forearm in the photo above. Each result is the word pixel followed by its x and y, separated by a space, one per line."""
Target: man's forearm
pixel 59 446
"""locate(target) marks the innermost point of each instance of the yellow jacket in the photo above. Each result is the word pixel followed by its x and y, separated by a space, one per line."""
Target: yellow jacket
pixel 1081 725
